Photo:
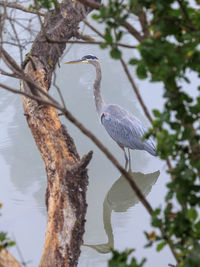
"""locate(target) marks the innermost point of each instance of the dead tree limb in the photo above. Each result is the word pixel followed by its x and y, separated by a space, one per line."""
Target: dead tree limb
pixel 66 172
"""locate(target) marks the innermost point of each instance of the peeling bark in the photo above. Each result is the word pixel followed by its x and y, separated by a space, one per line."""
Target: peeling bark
pixel 66 172
pixel 7 260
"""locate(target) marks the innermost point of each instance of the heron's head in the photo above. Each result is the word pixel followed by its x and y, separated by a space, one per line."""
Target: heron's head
pixel 89 59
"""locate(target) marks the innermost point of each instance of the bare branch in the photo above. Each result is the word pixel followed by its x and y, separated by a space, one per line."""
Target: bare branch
pixel 3 72
pixel 99 43
pixel 17 38
pixel 58 90
pixel 91 4
pixel 18 72
pixel 16 5
pixel 185 14
pixel 133 31
pixel 2 22
pixel 144 23
pixel 126 24
pixel 136 90
pixel 93 28
pixel 54 104
pixel 14 44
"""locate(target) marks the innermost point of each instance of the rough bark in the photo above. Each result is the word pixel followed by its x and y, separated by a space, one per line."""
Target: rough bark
pixel 7 260
pixel 66 172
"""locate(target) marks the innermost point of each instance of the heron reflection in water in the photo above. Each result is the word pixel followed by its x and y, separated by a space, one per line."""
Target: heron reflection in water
pixel 120 124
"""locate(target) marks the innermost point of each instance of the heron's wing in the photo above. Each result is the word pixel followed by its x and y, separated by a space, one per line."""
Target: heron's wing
pixel 124 131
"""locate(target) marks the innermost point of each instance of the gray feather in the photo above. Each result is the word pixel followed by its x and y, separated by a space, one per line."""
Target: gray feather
pixel 126 129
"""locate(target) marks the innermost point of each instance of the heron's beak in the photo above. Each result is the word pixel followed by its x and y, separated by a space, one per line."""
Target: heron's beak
pixel 76 61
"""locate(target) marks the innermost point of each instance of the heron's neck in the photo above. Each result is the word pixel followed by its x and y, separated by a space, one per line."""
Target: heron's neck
pixel 97 89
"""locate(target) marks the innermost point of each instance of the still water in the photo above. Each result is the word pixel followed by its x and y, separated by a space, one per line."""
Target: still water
pixel 114 216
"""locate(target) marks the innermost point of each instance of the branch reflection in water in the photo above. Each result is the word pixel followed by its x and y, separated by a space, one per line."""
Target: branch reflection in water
pixel 119 198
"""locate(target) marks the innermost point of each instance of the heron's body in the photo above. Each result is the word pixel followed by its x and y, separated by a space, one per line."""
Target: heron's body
pixel 120 124
pixel 125 129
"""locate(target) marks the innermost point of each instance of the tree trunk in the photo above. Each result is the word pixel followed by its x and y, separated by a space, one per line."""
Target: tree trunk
pixel 66 172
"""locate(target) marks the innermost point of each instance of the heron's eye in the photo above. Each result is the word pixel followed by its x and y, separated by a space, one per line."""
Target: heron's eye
pixel 104 114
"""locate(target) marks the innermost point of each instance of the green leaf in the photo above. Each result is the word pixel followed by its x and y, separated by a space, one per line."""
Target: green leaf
pixel 103 46
pixel 156 113
pixel 156 222
pixel 133 61
pixel 3 236
pixel 156 212
pixel 141 71
pixel 95 16
pixel 192 214
pixel 197 226
pixel 119 36
pixel 103 12
pixel 115 53
pixel 120 259
pixel 108 37
pixel 161 245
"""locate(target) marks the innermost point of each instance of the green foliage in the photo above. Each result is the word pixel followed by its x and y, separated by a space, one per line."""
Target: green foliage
pixel 168 53
pixel 121 259
pixel 4 240
pixel 46 4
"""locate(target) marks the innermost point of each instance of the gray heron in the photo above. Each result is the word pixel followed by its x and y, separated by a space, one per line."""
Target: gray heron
pixel 126 130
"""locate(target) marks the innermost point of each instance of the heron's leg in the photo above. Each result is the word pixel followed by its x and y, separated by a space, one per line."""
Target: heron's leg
pixel 126 159
pixel 129 159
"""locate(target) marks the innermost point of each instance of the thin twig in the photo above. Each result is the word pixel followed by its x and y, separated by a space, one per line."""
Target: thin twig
pixel 11 63
pixel 99 43
pixel 185 14
pixel 136 90
pixel 54 104
pixel 50 40
pixel 39 16
pixel 132 31
pixel 86 42
pixel 17 39
pixel 16 5
pixel 93 28
pixel 14 44
pixel 126 24
pixel 19 252
pixel 5 73
pixel 92 4
pixel 2 23
pixel 58 90
pixel 144 23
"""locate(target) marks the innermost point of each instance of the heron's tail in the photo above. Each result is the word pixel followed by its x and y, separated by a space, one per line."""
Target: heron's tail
pixel 150 147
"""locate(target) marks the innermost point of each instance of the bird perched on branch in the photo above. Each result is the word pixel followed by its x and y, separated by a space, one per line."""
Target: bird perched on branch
pixel 120 124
